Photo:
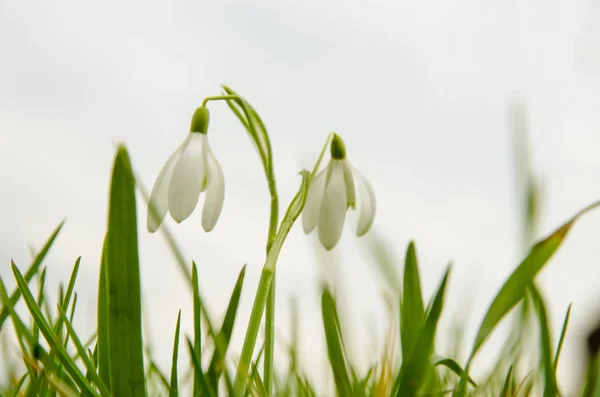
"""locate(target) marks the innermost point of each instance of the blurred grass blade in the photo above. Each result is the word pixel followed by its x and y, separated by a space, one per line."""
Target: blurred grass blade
pixel 91 372
pixel 174 389
pixel 550 384
pixel 561 339
pixel 102 329
pixel 18 386
pixel 197 325
pixel 205 389
pixel 335 344
pixel 454 367
pixel 217 362
pixel 514 288
pixel 124 321
pixel 51 337
pixel 412 309
pixel 507 383
pixel 33 269
pixel 259 385
pixel 413 371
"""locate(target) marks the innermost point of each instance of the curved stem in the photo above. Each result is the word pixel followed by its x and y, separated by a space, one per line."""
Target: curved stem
pixel 218 98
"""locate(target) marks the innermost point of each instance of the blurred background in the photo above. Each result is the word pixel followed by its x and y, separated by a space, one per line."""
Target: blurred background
pixel 422 92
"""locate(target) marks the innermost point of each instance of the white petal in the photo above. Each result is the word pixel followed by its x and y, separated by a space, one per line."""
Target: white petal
pixel 187 178
pixel 215 192
pixel 158 204
pixel 367 204
pixel 333 208
pixel 312 207
pixel 349 181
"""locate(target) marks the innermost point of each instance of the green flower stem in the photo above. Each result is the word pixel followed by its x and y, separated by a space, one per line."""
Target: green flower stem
pixel 218 98
pixel 260 300
pixel 320 158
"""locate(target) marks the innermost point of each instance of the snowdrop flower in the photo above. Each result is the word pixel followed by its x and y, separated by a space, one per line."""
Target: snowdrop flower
pixel 332 192
pixel 192 169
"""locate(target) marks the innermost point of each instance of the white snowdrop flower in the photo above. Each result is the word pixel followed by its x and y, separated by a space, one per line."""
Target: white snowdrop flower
pixel 332 192
pixel 190 170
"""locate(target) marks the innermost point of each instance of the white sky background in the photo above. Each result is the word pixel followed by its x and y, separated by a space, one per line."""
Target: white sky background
pixel 418 90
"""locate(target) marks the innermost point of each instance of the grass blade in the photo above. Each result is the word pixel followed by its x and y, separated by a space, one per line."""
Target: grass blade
pixel 205 389
pixel 33 269
pixel 51 337
pixel 561 340
pixel 217 363
pixel 197 329
pixel 335 344
pixel 550 384
pixel 91 372
pixel 454 367
pixel 125 346
pixel 102 330
pixel 413 371
pixel 412 309
pixel 507 383
pixel 173 389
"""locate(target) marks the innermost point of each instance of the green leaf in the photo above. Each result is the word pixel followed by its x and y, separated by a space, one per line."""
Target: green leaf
pixel 550 385
pixel 205 388
pixel 561 340
pixel 335 348
pixel 414 370
pixel 217 364
pixel 33 269
pixel 104 391
pixel 173 389
pixel 507 383
pixel 51 337
pixel 102 330
pixel 259 385
pixel 197 329
pixel 515 287
pixel 454 367
pixel 124 319
pixel 412 309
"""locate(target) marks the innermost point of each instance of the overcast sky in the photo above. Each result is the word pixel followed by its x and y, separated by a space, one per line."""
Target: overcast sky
pixel 420 92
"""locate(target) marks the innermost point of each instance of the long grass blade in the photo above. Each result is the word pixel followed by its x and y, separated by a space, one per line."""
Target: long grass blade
pixel 412 308
pixel 124 319
pixel 174 388
pixel 561 339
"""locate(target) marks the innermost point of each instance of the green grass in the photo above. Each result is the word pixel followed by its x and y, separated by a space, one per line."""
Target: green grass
pixel 54 359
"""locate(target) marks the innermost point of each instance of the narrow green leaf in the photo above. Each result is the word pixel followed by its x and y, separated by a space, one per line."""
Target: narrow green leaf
pixel 33 269
pixel 104 391
pixel 102 330
pixel 550 384
pixel 515 287
pixel 174 389
pixel 259 386
pixel 335 349
pixel 413 371
pixel 507 383
pixel 124 319
pixel 18 386
pixel 50 336
pixel 217 364
pixel 197 329
pixel 454 367
pixel 412 309
pixel 205 388
pixel 561 340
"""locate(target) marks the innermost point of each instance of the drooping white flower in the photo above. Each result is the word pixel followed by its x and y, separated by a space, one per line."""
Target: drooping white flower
pixel 332 192
pixel 190 170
